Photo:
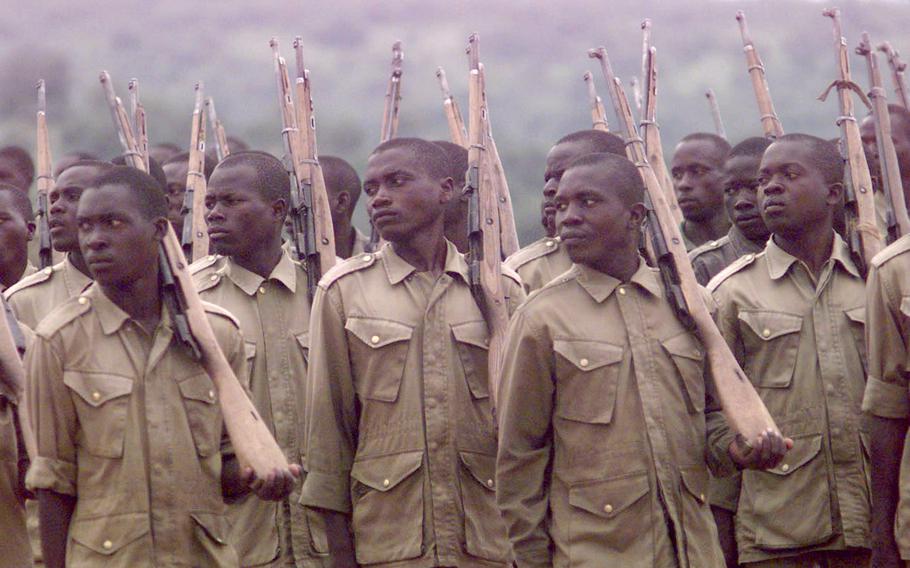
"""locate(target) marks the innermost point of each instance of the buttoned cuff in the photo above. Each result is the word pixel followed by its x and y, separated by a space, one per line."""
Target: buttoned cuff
pixel 886 400
pixel 53 475
pixel 326 491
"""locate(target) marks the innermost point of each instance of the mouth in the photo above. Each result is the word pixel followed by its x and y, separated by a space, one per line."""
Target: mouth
pixel 99 263
pixel 380 217
pixel 216 233
pixel 686 203
pixel 746 217
pixel 773 208
pixel 570 239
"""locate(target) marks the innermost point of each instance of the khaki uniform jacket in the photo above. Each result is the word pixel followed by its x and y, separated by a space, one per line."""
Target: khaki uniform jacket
pixel 801 344
pixel 400 431
pixel 34 297
pixel 130 425
pixel 540 262
pixel 274 316
pixel 14 542
pixel 888 338
pixel 710 258
pixel 603 429
pixel 29 270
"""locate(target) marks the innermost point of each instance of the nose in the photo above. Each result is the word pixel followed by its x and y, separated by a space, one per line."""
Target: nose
pixel 56 207
pixel 93 240
pixel 379 199
pixel 773 187
pixel 214 214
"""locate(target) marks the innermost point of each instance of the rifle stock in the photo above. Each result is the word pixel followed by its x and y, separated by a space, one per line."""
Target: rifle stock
pixel 253 443
pixel 769 121
pixel 715 113
pixel 897 72
pixel 598 113
pixel 457 132
pixel 650 131
pixel 195 232
pixel 897 219
pixel 222 150
pixel 44 181
pixel 745 411
pixel 140 127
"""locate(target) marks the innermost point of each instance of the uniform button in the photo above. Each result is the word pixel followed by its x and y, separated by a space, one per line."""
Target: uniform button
pixel 608 509
pixel 96 395
pixel 374 340
pixel 262 289
pixel 107 545
pixel 749 257
pixel 211 257
pixel 212 394
pixel 584 362
pixel 48 270
pixel 712 244
pixel 701 497
pixel 622 291
pixel 785 467
pixel 213 277
pixel 386 482
pixel 82 300
pixel 366 257
pixel 766 332
pixel 550 243
pixel 489 483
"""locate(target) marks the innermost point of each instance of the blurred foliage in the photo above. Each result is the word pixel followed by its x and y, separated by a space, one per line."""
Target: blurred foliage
pixel 534 54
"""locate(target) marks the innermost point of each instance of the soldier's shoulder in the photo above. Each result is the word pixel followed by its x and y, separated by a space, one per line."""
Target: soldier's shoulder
pixel 207 272
pixel 895 249
pixel 555 286
pixel 32 280
pixel 62 316
pixel 510 273
pixel 533 251
pixel 741 264
pixel 348 266
pixel 220 313
pixel 708 247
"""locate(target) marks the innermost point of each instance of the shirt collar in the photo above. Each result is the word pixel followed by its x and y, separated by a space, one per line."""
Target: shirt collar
pixel 397 268
pixel 284 272
pixel 110 316
pixel 780 261
pixel 600 285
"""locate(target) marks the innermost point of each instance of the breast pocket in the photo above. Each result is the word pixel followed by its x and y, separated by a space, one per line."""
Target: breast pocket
pixel 689 359
pixel 102 405
pixel 587 379
pixel 473 342
pixel 379 349
pixel 771 340
pixel 200 400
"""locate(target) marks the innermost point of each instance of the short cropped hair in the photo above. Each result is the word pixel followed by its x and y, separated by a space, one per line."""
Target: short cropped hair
pixel 184 157
pixel 149 194
pixel 458 161
pixel 625 179
pixel 100 165
pixel 752 147
pixel 430 157
pixel 720 144
pixel 340 176
pixel 20 201
pixel 823 155
pixel 155 169
pixel 21 160
pixel 272 181
pixel 598 141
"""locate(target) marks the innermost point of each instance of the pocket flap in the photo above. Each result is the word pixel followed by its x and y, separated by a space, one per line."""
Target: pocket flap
pixel 695 480
pixel 610 498
pixel 199 387
pixel 97 388
pixel 588 355
pixel 684 345
pixel 473 333
pixel 215 526
pixel 303 339
pixel 249 349
pixel 482 468
pixel 858 315
pixel 377 332
pixel 804 449
pixel 905 306
pixel 384 473
pixel 771 325
pixel 106 535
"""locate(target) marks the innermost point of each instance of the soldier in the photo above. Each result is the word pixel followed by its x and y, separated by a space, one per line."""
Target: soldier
pixel 175 172
pixel 132 464
pixel 246 204
pixel 456 218
pixel 17 226
pixel 36 296
pixel 401 441
pixel 698 182
pixel 604 407
pixel 343 187
pixel 900 135
pixel 70 158
pixel 544 260
pixel 794 316
pixel 16 167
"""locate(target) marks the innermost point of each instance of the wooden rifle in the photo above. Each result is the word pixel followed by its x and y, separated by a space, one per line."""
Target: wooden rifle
pixel 222 150
pixel 195 232
pixel 44 181
pixel 650 132
pixel 769 122
pixel 745 411
pixel 312 234
pixel 457 132
pixel 715 114
pixel 598 113
pixel 897 72
pixel 485 256
pixel 898 222
pixel 253 444
pixel 864 239
pixel 140 126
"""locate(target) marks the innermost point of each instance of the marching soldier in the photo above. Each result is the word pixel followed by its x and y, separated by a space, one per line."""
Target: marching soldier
pixel 794 315
pixel 246 205
pixel 545 259
pixel 342 184
pixel 698 182
pixel 400 435
pixel 132 464
pixel 456 217
pixel 17 228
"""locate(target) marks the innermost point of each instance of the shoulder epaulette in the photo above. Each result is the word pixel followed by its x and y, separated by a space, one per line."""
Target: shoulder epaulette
pixel 737 265
pixel 62 315
pixel 204 262
pixel 207 272
pixel 511 274
pixel 218 310
pixel 537 249
pixel 708 246
pixel 42 275
pixel 557 282
pixel 347 266
pixel 896 248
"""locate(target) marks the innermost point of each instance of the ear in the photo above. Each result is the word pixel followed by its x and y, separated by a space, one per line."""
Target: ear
pixel 342 202
pixel 31 230
pixel 447 184
pixel 161 226
pixel 280 210
pixel 637 214
pixel 835 194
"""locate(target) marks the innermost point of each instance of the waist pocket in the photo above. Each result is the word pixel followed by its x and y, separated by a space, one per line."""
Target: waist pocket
pixel 485 532
pixel 102 405
pixel 203 413
pixel 379 350
pixel 387 499
pixel 789 506
pixel 110 540
pixel 212 532
pixel 701 531
pixel 588 374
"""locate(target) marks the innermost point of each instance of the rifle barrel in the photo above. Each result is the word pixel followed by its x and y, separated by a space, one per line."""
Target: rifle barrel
pixel 715 113
pixel 770 122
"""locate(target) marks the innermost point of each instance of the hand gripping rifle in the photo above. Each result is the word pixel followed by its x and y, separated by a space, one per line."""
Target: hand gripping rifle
pixel 897 72
pixel 715 114
pixel 44 181
pixel 598 113
pixel 312 235
pixel 769 122
pixel 222 150
pixel 195 233
pixel 898 222
pixel 742 406
pixel 140 126
pixel 457 132
pixel 865 239
pixel 253 443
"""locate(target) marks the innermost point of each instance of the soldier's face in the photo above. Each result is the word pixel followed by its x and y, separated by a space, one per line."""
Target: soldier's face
pixel 62 202
pixel 175 173
pixel 558 159
pixel 697 179
pixel 241 221
pixel 741 196
pixel 403 199
pixel 15 233
pixel 119 243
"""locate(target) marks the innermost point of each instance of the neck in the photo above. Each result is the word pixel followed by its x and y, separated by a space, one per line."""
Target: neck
pixel 344 237
pixel 76 259
pixel 811 246
pixel 457 234
pixel 262 260
pixel 711 229
pixel 12 274
pixel 620 264
pixel 140 299
pixel 426 251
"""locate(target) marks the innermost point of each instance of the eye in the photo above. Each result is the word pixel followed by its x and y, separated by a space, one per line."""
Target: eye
pixel 791 175
pixel 729 189
pixel 676 174
pixel 763 180
pixel 209 203
pixel 562 206
pixel 589 202
pixel 84 226
pixel 114 223
pixel 369 189
pixel 397 181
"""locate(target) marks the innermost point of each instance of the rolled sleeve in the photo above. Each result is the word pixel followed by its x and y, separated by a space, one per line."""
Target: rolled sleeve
pixel 54 475
pixel 886 400
pixel 886 392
